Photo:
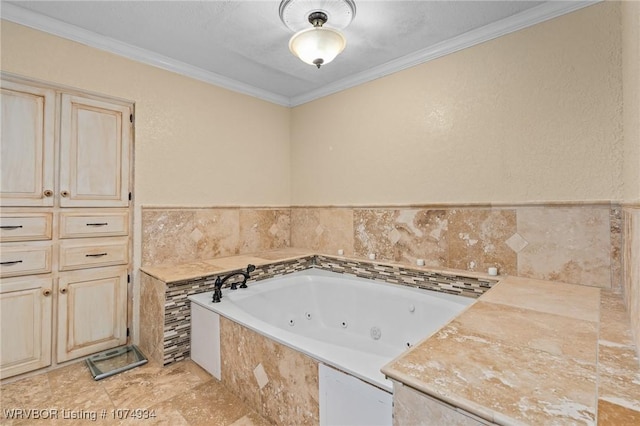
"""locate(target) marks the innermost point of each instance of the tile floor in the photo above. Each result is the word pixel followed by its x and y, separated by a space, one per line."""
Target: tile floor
pixel 180 394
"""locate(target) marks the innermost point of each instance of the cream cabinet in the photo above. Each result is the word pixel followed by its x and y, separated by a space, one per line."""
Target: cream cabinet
pixel 65 239
pixel 25 322
pixel 92 309
pixel 26 162
pixel 94 148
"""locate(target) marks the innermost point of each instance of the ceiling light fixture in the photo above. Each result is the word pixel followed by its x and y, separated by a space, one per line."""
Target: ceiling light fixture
pixel 318 45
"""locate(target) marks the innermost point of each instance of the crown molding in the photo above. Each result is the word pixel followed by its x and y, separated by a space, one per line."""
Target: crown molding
pixel 49 25
pixel 541 13
pixel 496 29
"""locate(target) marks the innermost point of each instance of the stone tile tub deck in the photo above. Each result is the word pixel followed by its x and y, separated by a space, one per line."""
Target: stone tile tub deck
pixel 526 352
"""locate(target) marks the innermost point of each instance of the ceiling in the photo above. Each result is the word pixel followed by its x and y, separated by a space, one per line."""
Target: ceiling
pixel 243 45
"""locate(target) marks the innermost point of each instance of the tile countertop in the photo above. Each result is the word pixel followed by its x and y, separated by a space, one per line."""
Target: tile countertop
pixel 526 352
pixel 221 265
pixel 532 352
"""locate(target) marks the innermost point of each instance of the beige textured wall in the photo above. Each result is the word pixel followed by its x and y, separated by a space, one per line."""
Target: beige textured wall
pixel 631 84
pixel 192 139
pixel 531 116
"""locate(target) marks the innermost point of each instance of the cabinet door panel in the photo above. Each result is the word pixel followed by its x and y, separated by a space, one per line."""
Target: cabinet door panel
pixel 25 310
pixel 94 153
pixel 27 138
pixel 92 314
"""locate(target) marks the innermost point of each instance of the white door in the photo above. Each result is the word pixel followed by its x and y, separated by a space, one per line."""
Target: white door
pixel 92 311
pixel 27 138
pixel 25 322
pixel 95 139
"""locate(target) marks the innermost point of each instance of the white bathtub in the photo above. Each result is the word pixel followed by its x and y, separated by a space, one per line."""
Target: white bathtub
pixel 355 325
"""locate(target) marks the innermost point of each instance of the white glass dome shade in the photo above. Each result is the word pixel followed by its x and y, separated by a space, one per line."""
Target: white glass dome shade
pixel 318 45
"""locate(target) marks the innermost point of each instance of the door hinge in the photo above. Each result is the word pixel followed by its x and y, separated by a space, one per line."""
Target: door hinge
pixel 129 196
pixel 128 334
pixel 128 278
pixel 131 118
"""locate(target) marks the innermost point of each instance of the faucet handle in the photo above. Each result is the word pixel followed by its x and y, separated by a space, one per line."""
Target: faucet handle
pixel 250 268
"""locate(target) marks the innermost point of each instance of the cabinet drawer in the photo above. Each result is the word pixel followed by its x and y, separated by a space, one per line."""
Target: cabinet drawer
pixel 80 224
pixel 24 260
pixel 25 227
pixel 93 253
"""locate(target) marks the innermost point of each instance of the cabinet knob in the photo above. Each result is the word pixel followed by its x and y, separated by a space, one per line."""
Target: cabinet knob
pixel 48 193
pixel 64 193
pixel 63 290
pixel 46 292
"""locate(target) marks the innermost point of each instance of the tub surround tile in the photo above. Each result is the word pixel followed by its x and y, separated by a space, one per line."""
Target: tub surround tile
pixel 531 352
pixel 567 300
pixel 418 278
pixel 182 272
pixel 575 243
pixel 323 230
pixel 566 244
pixel 374 233
pixel 534 367
pixel 264 229
pixel 578 243
pixel 236 262
pixel 402 235
pixel 614 320
pixel 532 329
pixel 184 235
pixel 171 273
pixel 527 386
pixel 410 405
pixel 286 391
pixel 478 239
pixel 284 254
pixel 152 306
pixel 165 312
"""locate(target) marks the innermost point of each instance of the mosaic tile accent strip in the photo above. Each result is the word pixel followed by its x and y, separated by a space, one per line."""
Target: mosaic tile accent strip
pixel 177 308
pixel 426 280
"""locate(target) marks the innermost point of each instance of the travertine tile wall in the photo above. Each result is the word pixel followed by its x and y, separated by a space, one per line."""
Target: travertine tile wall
pixel 179 235
pixel 578 244
pixel 276 381
pixel 573 243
